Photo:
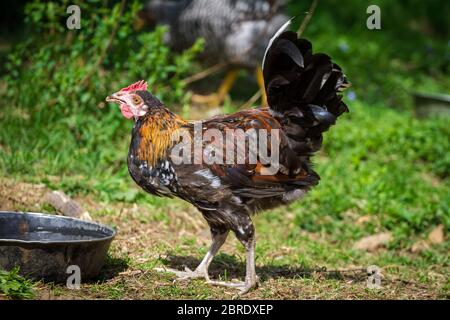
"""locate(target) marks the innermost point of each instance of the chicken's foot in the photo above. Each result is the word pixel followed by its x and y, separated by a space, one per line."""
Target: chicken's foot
pixel 216 99
pixel 251 279
pixel 218 239
pixel 187 274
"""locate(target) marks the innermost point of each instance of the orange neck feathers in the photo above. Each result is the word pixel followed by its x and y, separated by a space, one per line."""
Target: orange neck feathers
pixel 158 133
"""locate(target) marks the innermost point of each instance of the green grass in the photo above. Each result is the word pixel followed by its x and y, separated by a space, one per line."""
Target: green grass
pixel 379 162
pixel 15 286
pixel 384 164
pixel 376 162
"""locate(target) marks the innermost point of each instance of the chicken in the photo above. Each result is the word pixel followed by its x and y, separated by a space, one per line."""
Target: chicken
pixel 235 33
pixel 172 157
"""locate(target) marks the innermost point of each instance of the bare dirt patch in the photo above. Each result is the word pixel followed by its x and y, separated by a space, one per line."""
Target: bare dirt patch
pixel 15 195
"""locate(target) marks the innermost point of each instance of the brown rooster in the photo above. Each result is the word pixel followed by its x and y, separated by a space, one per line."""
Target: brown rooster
pixel 303 95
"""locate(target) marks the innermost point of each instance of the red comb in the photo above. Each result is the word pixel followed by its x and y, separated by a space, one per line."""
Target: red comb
pixel 140 85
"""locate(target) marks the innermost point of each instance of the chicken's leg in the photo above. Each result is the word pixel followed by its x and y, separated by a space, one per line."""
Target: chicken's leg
pixel 260 80
pixel 218 239
pixel 215 99
pixel 246 235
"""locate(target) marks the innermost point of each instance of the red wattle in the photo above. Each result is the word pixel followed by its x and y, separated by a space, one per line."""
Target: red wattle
pixel 126 111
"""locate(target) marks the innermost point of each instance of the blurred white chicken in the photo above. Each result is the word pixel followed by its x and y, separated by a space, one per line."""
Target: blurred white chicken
pixel 235 33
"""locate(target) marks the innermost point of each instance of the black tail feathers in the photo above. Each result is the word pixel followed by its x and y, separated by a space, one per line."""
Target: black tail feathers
pixel 303 86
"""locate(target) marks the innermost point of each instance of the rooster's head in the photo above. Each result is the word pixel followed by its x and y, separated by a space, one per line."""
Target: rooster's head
pixel 134 100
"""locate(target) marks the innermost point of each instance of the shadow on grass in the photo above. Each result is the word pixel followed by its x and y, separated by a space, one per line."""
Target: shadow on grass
pixel 113 266
pixel 230 267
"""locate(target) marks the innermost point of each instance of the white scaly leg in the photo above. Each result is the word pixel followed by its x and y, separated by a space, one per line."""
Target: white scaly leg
pixel 218 239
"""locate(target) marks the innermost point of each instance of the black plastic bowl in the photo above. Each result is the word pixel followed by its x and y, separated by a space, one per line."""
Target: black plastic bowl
pixel 44 246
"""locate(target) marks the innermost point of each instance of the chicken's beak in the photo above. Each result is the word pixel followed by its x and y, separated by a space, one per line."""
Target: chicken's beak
pixel 111 98
pixel 115 98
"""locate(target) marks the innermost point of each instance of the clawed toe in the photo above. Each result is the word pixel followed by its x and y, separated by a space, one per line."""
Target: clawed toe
pixel 243 287
pixel 227 284
pixel 188 274
pixel 185 275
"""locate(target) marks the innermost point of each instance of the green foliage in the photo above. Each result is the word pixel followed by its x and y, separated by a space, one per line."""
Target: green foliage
pixel 410 53
pixel 56 121
pixel 76 69
pixel 377 162
pixel 14 286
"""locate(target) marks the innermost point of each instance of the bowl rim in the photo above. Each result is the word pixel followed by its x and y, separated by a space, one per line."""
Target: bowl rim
pixel 49 242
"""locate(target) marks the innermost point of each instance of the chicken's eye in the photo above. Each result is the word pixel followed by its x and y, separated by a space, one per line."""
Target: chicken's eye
pixel 136 100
